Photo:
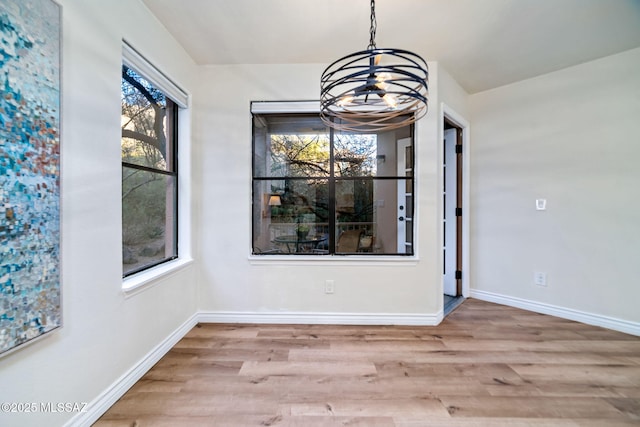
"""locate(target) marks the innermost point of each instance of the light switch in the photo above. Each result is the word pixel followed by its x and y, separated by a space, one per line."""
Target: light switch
pixel 541 204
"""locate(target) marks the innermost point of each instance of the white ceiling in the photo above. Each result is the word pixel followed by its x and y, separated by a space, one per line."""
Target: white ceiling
pixel 482 43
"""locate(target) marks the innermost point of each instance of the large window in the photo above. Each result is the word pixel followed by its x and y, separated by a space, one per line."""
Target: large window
pixel 317 191
pixel 149 170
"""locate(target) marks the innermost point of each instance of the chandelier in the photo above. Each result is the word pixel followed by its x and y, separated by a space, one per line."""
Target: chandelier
pixel 375 89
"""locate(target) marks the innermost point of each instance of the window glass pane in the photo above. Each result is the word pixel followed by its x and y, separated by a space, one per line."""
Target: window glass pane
pixel 299 155
pixel 290 146
pixel 355 154
pixel 371 154
pixel 408 158
pixel 409 205
pixel 408 236
pixel 290 216
pixel 354 214
pixel 144 123
pixel 369 209
pixel 148 218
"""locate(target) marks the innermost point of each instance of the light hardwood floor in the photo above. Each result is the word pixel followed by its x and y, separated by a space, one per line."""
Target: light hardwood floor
pixel 484 365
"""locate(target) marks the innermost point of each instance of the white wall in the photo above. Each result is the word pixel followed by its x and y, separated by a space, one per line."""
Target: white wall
pixel 452 94
pixel 230 281
pixel 570 137
pixel 104 333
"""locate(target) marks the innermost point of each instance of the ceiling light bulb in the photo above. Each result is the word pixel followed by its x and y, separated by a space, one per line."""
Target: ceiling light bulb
pixel 390 100
pixel 383 77
pixel 345 100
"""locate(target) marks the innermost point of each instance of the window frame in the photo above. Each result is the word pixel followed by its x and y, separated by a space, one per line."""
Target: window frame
pixel 297 108
pixel 172 172
pixel 180 101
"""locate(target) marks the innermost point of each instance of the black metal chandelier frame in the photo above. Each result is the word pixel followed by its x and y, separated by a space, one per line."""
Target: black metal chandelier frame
pixel 375 89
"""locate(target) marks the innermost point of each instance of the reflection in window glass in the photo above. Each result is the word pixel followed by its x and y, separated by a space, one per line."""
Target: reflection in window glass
pixel 299 155
pixel 355 155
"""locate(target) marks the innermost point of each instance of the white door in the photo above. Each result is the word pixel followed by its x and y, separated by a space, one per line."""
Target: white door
pixel 449 197
pixel 405 196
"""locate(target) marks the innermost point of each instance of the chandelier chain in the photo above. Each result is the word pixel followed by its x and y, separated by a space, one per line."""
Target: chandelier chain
pixel 373 27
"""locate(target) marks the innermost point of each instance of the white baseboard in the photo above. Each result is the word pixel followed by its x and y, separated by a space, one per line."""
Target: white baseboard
pixel 620 325
pixel 106 399
pixel 321 318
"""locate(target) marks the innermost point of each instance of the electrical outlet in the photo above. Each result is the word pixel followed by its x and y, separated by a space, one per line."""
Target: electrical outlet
pixel 540 278
pixel 328 286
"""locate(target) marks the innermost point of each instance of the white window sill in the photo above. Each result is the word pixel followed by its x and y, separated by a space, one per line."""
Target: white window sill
pixel 145 279
pixel 332 260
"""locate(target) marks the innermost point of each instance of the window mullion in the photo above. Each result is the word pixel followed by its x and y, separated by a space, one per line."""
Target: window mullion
pixel 148 169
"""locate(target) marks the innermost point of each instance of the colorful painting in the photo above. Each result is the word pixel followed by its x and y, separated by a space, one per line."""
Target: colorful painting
pixel 29 171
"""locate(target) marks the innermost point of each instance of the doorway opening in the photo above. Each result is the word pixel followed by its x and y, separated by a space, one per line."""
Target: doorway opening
pixel 452 217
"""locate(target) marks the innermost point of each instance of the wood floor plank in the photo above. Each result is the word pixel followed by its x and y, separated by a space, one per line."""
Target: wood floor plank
pixel 307 368
pixel 234 354
pixel 609 348
pixel 149 385
pixel 223 330
pixel 272 343
pixel 162 372
pixel 486 365
pixel 370 408
pixel 630 407
pixel 387 345
pixel 484 373
pixel 585 375
pixel 448 356
pixel 530 407
pixel 184 404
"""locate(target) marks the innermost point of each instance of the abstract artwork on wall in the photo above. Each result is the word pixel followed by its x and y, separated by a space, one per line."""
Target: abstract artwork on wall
pixel 29 171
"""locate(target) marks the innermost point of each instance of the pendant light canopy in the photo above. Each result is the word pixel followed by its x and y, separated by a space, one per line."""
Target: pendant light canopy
pixel 375 89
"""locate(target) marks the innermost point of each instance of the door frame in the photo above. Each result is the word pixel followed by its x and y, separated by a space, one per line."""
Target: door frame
pixel 448 113
pixel 451 200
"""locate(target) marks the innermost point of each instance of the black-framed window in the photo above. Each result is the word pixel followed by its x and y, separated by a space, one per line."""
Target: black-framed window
pixel 149 174
pixel 317 191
